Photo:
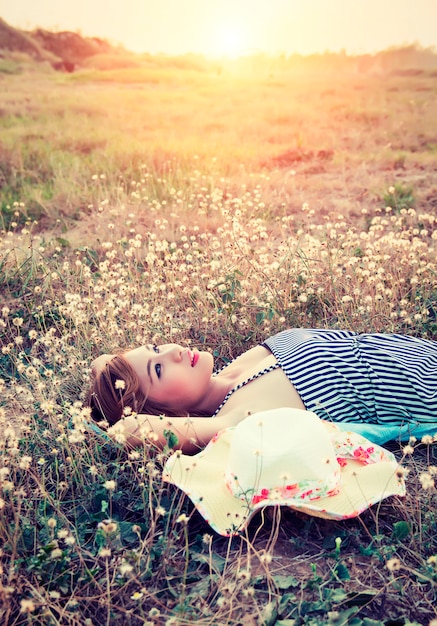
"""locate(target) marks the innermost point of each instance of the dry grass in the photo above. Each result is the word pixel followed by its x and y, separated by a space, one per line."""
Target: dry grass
pixel 331 127
pixel 213 208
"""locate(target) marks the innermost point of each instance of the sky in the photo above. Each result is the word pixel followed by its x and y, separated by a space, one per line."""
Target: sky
pixel 236 27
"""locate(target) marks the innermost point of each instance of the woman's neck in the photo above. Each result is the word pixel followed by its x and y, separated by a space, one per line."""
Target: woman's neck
pixel 219 388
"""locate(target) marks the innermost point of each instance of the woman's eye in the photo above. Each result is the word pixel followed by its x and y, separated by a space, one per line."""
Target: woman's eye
pixel 158 370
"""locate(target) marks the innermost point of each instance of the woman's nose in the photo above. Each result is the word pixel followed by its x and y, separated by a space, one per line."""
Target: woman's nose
pixel 174 352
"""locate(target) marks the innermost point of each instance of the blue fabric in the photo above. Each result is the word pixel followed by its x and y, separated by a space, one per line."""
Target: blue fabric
pixel 100 433
pixel 381 433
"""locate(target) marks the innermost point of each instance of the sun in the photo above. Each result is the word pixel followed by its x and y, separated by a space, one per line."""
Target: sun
pixel 229 40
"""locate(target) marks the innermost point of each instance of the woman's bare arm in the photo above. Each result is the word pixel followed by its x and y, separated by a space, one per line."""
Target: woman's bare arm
pixel 192 433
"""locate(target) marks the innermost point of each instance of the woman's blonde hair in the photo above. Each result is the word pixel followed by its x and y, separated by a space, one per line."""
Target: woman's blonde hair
pixel 117 388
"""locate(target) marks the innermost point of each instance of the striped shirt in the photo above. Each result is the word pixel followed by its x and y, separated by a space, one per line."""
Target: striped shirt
pixel 384 379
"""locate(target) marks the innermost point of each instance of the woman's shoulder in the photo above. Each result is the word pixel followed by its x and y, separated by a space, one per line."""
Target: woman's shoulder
pixel 246 361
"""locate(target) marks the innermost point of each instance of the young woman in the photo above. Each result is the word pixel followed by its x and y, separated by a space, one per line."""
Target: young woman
pixel 383 386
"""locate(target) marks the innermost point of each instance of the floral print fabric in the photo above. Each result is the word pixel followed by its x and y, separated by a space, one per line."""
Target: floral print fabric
pixel 347 446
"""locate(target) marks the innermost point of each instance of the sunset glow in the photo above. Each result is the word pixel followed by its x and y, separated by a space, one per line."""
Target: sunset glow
pixel 237 27
pixel 230 40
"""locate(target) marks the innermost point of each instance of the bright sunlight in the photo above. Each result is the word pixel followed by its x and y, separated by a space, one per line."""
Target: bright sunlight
pixel 230 40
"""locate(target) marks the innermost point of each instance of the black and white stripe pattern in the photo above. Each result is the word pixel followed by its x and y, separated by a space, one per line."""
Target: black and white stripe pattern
pixel 364 378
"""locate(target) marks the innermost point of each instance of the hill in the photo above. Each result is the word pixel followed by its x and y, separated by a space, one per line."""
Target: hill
pixel 65 50
pixel 15 40
pixel 71 48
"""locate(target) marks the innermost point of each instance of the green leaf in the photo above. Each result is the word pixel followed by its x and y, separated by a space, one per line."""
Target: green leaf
pixel 342 618
pixel 215 561
pixel 171 438
pixel 401 530
pixel 63 242
pixel 285 600
pixel 269 614
pixel 201 588
pixel 338 595
pixel 285 582
pixel 127 534
pixel 100 539
pixel 342 571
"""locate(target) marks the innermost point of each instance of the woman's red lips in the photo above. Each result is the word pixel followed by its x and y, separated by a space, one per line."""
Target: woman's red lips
pixel 194 359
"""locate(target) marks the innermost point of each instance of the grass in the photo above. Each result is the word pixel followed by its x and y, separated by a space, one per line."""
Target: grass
pixel 202 210
pixel 244 119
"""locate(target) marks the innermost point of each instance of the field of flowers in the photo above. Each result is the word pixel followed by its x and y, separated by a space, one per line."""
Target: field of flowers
pixel 99 251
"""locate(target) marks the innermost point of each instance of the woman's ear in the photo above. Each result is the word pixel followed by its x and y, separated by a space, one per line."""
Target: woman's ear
pixel 98 364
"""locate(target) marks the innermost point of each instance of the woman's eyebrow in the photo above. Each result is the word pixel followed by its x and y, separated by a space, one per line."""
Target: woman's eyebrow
pixel 148 371
pixel 148 366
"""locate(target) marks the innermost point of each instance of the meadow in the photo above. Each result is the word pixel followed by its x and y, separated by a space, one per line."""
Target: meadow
pixel 214 204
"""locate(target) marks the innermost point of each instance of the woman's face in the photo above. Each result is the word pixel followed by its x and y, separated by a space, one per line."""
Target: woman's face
pixel 171 376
